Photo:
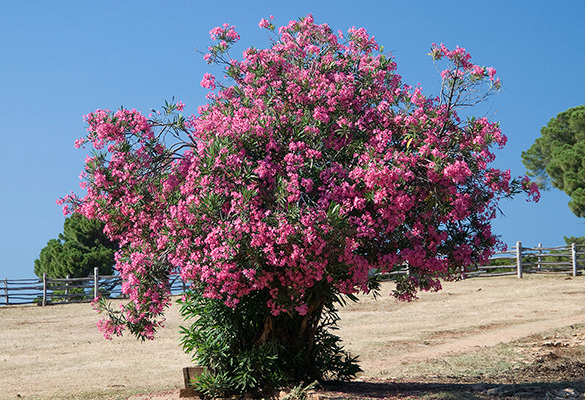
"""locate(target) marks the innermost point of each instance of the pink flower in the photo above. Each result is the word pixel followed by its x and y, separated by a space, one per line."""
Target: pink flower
pixel 491 72
pixel 264 23
pixel 477 70
pixel 215 33
pixel 303 309
pixel 208 81
pixel 249 273
pixel 458 171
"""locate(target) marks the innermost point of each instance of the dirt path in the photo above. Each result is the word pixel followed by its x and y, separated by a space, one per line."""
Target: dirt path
pixel 479 340
pixel 463 317
pixel 54 351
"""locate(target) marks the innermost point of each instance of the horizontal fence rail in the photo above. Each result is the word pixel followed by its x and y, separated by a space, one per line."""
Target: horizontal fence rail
pixel 522 260
pixel 68 290
pixel 518 261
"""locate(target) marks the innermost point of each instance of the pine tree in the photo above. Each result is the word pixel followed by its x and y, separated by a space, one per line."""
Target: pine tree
pixel 77 251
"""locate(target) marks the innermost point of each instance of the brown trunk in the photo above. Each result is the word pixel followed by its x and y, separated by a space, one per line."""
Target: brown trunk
pixel 296 337
pixel 310 324
pixel 267 330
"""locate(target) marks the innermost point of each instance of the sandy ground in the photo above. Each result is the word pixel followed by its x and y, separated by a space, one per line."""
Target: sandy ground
pixel 56 350
pixel 462 317
pixel 46 351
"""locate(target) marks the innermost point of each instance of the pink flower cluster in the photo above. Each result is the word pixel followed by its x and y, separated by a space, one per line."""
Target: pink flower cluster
pixel 462 66
pixel 225 32
pixel 266 23
pixel 315 167
pixel 226 35
pixel 208 81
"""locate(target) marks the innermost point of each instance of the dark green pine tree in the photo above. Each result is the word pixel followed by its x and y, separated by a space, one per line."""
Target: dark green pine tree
pixel 558 157
pixel 578 240
pixel 79 249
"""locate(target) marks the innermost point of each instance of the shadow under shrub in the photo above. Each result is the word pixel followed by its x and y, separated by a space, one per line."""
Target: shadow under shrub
pixel 246 349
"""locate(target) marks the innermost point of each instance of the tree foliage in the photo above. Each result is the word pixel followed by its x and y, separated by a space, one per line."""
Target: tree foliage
pixel 242 356
pixel 77 251
pixel 558 157
pixel 312 166
pixel 578 240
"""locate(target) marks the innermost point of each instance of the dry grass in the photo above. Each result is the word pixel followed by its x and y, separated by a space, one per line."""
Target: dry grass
pixel 463 317
pixel 57 353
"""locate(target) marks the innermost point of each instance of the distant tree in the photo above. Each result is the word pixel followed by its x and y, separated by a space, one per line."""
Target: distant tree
pixel 558 157
pixel 580 240
pixel 79 249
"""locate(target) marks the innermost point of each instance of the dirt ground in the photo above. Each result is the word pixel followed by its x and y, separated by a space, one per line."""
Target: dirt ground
pixel 457 336
pixel 465 316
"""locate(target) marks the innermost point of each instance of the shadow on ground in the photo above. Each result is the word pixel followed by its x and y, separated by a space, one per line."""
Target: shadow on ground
pixel 433 390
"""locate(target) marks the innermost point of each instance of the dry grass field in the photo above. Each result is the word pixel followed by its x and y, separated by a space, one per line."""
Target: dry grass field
pixel 483 331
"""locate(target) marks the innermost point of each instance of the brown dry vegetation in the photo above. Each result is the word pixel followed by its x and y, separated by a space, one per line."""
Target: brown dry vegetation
pixel 473 336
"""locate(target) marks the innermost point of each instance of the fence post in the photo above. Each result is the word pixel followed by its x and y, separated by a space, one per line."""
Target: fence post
pixel 6 290
pixel 96 279
pixel 67 289
pixel 519 259
pixel 539 258
pixel 574 256
pixel 44 289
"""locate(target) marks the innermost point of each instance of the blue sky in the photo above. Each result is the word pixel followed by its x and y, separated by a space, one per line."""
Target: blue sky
pixel 60 60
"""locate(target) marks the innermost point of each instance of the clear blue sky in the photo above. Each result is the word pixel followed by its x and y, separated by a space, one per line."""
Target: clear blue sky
pixel 60 60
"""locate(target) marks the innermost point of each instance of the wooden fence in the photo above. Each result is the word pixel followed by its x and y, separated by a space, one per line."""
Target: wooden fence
pixel 533 260
pixel 518 261
pixel 50 291
pixel 522 260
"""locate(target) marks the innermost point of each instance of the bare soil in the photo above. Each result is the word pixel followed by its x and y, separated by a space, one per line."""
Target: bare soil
pixel 479 338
